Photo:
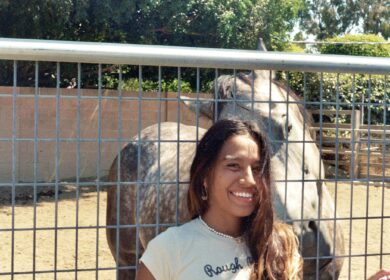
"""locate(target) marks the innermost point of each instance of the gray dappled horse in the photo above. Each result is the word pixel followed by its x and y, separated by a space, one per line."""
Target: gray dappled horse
pixel 300 196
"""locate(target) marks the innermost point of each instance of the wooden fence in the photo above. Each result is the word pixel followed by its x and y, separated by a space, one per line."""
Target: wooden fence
pixel 352 149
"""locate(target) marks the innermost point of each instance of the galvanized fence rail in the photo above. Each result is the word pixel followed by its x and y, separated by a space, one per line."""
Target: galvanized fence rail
pixel 57 143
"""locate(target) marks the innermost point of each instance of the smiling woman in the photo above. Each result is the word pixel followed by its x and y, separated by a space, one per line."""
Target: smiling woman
pixel 232 184
pixel 232 234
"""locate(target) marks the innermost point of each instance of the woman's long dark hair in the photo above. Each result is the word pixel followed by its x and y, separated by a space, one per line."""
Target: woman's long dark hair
pixel 283 258
pixel 259 225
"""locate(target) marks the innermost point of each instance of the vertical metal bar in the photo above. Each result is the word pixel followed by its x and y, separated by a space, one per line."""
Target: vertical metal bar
pixel 216 96
pixel 197 103
pixel 271 136
pixel 158 151
pixel 252 97
pixel 362 105
pixel 320 171
pixel 353 141
pixel 99 142
pixel 337 167
pixel 14 132
pixel 78 167
pixel 57 168
pixel 234 91
pixel 286 143
pixel 178 143
pixel 36 121
pixel 355 123
pixel 139 183
pixel 303 155
pixel 383 168
pixel 118 174
pixel 368 173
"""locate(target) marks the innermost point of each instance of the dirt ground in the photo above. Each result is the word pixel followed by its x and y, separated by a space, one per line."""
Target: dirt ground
pixel 363 235
pixel 363 238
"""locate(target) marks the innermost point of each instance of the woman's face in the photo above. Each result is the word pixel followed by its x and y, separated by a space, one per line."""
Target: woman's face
pixel 233 183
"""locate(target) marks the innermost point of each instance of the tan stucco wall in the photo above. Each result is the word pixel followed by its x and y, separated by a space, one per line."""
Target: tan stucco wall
pixel 67 130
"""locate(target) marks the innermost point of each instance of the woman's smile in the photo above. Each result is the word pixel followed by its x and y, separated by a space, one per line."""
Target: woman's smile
pixel 246 195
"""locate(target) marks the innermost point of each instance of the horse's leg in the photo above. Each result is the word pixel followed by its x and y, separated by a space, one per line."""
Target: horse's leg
pixel 123 250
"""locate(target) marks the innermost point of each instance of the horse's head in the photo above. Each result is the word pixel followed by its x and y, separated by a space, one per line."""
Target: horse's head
pixel 300 196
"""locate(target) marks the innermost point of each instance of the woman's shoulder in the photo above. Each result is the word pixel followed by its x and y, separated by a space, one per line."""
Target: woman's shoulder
pixel 178 233
pixel 183 230
pixel 164 252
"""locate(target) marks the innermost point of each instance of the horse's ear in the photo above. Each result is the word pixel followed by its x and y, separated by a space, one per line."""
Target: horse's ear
pixel 262 74
pixel 261 45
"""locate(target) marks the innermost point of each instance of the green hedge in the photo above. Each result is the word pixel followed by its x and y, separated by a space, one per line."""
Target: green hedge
pixel 377 50
pixel 133 84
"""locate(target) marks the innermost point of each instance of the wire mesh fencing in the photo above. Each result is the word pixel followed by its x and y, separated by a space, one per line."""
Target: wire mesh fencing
pixel 73 119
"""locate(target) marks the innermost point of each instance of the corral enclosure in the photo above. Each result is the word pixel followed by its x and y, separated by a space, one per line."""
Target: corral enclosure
pixel 57 145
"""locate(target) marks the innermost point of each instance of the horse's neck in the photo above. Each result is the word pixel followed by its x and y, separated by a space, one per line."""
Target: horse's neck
pixel 264 75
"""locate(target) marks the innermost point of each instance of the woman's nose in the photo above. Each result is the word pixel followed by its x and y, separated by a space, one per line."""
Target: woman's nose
pixel 247 178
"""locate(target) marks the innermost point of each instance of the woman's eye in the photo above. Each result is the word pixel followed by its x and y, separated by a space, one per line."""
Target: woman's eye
pixel 256 169
pixel 233 166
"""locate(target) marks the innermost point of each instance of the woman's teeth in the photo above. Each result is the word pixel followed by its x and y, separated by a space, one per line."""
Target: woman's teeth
pixel 243 194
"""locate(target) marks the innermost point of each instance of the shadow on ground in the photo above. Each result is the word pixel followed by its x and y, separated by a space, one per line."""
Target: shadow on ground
pixel 28 194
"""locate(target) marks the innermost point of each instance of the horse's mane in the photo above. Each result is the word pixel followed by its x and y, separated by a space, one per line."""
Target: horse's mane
pixel 306 115
pixel 249 79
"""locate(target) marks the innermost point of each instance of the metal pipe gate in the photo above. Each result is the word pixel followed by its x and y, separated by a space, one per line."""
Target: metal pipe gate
pixel 59 136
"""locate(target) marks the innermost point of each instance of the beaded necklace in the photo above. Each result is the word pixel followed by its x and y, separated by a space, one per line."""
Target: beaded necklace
pixel 237 239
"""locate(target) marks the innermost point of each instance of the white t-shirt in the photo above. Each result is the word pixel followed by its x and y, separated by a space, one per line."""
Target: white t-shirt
pixel 193 252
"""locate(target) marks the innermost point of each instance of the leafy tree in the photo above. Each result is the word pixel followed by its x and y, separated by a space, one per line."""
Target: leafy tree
pixel 87 20
pixel 212 23
pixel 324 18
pixel 34 18
pixel 376 17
pixel 329 18
pixel 201 23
